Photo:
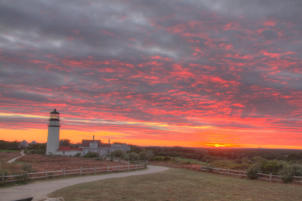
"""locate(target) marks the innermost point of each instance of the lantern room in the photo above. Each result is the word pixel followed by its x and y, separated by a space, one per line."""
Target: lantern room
pixel 55 115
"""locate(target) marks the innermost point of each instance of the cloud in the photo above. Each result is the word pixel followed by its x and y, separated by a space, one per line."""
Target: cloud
pixel 163 64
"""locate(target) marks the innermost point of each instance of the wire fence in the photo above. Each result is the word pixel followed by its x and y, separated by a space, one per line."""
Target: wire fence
pixel 67 172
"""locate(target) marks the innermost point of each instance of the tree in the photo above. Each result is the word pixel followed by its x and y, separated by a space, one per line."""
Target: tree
pixel 146 155
pixel 272 166
pixel 36 148
pixel 133 156
pixel 252 172
pixel 119 154
pixel 65 142
pixel 9 145
pixel 287 174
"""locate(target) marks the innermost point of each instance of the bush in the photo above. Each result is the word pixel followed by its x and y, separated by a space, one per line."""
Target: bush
pixel 145 155
pixel 133 156
pixel 9 145
pixel 3 173
pixel 23 178
pixel 119 154
pixel 287 174
pixel 161 158
pixel 272 166
pixel 297 170
pixel 27 167
pixel 209 168
pixel 78 155
pixel 91 155
pixel 36 149
pixel 252 172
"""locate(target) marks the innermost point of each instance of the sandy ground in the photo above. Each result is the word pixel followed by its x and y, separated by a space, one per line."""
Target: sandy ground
pixel 40 190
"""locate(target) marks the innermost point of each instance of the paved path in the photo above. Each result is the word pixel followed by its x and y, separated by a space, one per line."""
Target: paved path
pixel 39 190
pixel 16 158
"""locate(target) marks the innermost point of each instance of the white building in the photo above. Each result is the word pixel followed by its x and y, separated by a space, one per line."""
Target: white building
pixel 23 145
pixel 96 146
pixel 53 139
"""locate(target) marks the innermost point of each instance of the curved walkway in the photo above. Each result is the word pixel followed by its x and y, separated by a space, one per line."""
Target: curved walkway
pixel 40 190
pixel 16 158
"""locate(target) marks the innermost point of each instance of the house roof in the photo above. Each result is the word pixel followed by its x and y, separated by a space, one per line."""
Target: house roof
pixel 106 145
pixel 85 143
pixel 66 148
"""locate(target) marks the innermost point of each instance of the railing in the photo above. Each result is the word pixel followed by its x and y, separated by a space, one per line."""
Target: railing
pixel 66 172
pixel 243 174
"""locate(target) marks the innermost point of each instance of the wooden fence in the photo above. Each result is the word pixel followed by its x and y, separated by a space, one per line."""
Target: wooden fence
pixel 66 172
pixel 243 174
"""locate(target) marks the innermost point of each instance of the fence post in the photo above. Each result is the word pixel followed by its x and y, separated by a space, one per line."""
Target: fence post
pixel 46 174
pixel 107 168
pixel 81 170
pixel 64 172
pixel 24 176
pixel 128 166
pixel 94 170
pixel 2 178
pixel 270 177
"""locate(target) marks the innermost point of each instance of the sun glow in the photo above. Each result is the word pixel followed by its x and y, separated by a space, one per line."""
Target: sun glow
pixel 219 145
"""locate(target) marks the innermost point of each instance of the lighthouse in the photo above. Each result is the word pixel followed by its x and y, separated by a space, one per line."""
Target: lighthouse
pixel 53 133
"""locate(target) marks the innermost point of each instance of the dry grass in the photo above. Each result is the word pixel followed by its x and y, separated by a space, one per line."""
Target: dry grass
pixel 42 162
pixel 7 155
pixel 181 185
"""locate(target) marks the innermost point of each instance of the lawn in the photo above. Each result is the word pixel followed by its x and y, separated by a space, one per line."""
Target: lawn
pixel 181 185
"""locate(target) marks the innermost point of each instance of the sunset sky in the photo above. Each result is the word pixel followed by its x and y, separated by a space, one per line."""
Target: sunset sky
pixel 196 73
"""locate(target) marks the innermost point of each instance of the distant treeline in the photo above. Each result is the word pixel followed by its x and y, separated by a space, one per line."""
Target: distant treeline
pixel 230 154
pixel 37 148
pixel 5 145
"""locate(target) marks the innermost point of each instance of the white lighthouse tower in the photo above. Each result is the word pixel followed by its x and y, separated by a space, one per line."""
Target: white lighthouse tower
pixel 53 139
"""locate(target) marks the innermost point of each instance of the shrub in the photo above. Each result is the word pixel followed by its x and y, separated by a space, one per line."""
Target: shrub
pixel 208 168
pixel 3 179
pixel 133 156
pixel 287 174
pixel 36 148
pixel 119 154
pixel 78 155
pixel 101 158
pixel 22 178
pixel 161 158
pixel 297 170
pixel 149 155
pixel 252 172
pixel 27 167
pixel 91 155
pixel 145 155
pixel 272 166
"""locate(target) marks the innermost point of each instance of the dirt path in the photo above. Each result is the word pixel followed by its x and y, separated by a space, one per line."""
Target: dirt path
pixel 39 190
pixel 16 158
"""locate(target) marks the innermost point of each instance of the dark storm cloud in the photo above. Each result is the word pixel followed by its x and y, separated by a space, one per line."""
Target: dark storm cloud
pixel 153 60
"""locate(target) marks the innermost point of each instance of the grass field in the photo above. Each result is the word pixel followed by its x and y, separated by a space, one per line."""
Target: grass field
pixel 181 185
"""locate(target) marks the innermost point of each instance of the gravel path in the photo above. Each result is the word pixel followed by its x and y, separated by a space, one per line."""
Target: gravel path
pixel 39 190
